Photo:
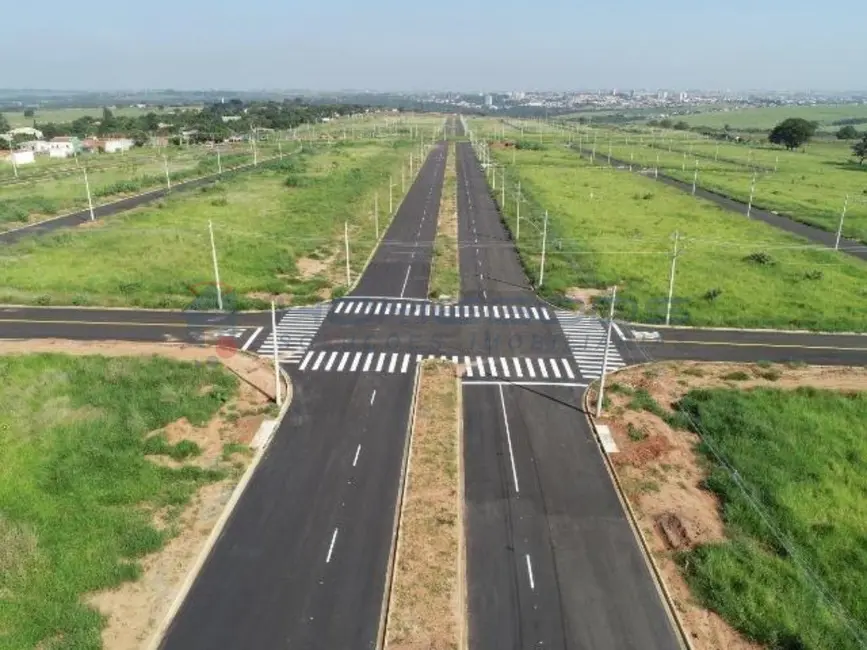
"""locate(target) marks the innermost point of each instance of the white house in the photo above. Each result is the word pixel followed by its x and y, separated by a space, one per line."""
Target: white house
pixel 117 144
pixel 36 146
pixel 62 147
pixel 21 157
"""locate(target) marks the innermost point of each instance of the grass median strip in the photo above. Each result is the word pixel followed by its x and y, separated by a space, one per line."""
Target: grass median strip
pixel 425 606
pixel 445 279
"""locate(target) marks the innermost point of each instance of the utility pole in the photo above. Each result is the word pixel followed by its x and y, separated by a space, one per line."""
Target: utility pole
pixel 716 153
pixel 494 178
pixel 656 169
pixel 390 200
pixel 840 227
pixel 168 179
pixel 219 162
pixel 12 157
pixel 89 199
pixel 671 279
pixel 752 194
pixel 376 212
pixel 695 177
pixel 346 243
pixel 518 211
pixel 544 249
pixel 600 396
pixel 683 164
pixel 217 271
pixel 410 165
pixel 276 362
pixel 402 180
pixel 503 190
pixel 631 159
pixel 609 152
pixel 280 149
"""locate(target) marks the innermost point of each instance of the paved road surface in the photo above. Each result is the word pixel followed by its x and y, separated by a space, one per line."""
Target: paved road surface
pixel 303 559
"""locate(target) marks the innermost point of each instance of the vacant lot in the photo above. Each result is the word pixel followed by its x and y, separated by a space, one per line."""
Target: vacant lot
pixel 98 459
pixel 278 235
pixel 748 484
pixel 768 117
pixel 608 227
pixel 810 185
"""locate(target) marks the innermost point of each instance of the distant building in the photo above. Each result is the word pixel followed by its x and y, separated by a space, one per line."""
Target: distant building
pixel 19 157
pixel 682 97
pixel 231 118
pixel 36 146
pixel 63 146
pixel 489 101
pixel 114 145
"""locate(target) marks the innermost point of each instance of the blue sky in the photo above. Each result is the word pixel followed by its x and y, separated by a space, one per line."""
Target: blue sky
pixel 450 44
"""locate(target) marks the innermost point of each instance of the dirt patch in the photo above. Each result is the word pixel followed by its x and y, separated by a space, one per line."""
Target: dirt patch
pixel 583 298
pixel 280 299
pixel 662 474
pixel 425 610
pixel 308 267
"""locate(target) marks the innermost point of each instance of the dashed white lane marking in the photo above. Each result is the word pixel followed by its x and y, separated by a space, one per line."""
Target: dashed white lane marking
pixel 331 548
pixel 530 573
pixel 372 397
pixel 405 280
pixel 509 440
pixel 253 338
pixel 357 452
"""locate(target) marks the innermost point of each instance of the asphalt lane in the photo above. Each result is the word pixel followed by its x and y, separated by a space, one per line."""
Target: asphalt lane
pixel 115 207
pixel 788 224
pixel 302 561
pixel 401 265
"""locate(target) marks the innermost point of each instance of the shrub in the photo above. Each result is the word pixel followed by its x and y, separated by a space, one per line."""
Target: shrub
pixel 737 375
pixel 815 274
pixel 712 294
pixel 760 258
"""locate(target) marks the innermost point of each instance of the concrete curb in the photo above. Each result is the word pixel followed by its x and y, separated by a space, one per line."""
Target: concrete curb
pixel 659 582
pixel 158 636
pixel 463 639
pixel 398 515
pixel 758 330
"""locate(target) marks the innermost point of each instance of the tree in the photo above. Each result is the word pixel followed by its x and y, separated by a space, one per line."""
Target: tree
pixel 860 149
pixel 848 132
pixel 29 112
pixel 792 132
pixel 681 126
pixel 666 123
pixel 4 123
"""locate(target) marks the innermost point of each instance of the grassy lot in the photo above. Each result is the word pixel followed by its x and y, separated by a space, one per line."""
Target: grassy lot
pixel 810 186
pixel 768 117
pixel 610 227
pixel 799 457
pixel 61 115
pixel 445 278
pixel 77 492
pixel 36 198
pixel 424 611
pixel 264 225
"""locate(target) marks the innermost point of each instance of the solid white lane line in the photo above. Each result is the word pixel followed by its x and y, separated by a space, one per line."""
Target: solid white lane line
pixel 569 372
pixel 530 573
pixel 393 363
pixel 306 361
pixel 405 280
pixel 331 548
pixel 509 440
pixel 339 307
pixel 318 361
pixel 517 367
pixel 512 382
pixel 380 361
pixel 530 369
pixel 367 362
pixel 619 332
pixel 555 368
pixel 330 361
pixel 372 398
pixel 343 361
pixel 405 365
pixel 251 339
pixel 480 364
pixel 357 452
pixel 355 361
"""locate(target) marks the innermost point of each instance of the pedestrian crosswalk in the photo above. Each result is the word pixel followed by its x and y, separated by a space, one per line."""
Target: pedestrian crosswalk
pixel 586 338
pixel 474 367
pixel 295 331
pixel 428 309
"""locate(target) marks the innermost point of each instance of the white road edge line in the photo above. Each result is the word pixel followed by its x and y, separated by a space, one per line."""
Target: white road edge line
pixel 251 339
pixel 331 548
pixel 509 440
pixel 619 332
pixel 530 573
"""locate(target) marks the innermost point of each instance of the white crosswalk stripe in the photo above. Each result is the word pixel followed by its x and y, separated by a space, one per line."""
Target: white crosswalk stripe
pixel 586 338
pixel 295 331
pixel 418 308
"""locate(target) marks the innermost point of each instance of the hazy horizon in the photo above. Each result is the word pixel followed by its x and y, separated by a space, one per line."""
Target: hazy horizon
pixel 384 46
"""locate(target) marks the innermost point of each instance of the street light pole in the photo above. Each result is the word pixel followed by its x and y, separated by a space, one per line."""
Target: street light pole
pixel 518 211
pixel 544 249
pixel 752 194
pixel 376 212
pixel 276 361
pixel 89 199
pixel 346 243
pixel 216 268
pixel 168 179
pixel 600 396
pixel 671 279
pixel 840 227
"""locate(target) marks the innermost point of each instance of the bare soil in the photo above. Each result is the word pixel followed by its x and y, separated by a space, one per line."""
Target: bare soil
pixel 662 474
pixel 584 297
pixel 426 611
pixel 135 609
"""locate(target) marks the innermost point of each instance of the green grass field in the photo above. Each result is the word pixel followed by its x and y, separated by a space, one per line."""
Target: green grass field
pixel 767 117
pixel 810 186
pixel 62 115
pixel 264 223
pixel 76 489
pixel 609 227
pixel 799 457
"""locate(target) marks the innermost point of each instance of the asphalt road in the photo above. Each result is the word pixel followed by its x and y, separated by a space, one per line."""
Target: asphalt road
pixel 789 224
pixel 74 219
pixel 303 560
pixel 551 559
